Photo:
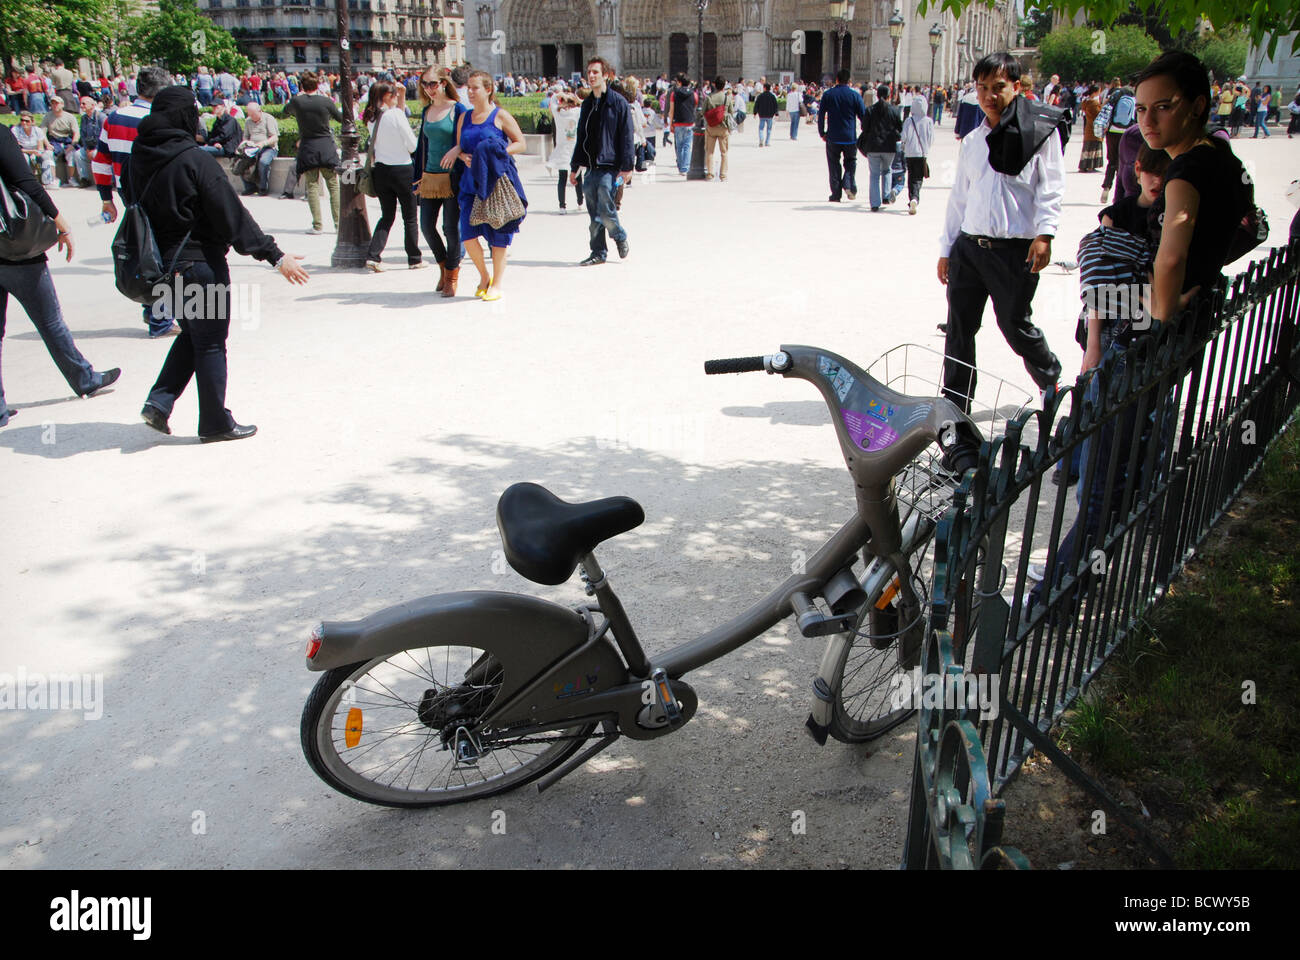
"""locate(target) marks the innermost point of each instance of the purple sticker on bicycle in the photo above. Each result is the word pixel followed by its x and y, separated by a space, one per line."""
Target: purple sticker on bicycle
pixel 867 435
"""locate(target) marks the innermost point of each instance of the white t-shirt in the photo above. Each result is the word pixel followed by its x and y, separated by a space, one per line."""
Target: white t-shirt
pixel 394 139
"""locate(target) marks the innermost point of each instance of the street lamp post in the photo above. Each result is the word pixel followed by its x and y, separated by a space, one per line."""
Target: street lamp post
pixel 895 34
pixel 697 141
pixel 354 226
pixel 841 14
pixel 936 37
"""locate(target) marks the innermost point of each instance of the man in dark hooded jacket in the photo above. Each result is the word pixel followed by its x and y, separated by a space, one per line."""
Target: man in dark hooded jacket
pixel 196 218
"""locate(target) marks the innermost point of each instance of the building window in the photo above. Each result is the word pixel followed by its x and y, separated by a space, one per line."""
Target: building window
pixel 299 54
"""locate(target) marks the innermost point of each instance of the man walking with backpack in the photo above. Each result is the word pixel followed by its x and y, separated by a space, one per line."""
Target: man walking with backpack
pixel 837 124
pixel 1116 116
pixel 881 131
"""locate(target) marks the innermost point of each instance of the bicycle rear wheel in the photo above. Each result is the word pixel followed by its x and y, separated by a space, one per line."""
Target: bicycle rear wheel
pixel 396 730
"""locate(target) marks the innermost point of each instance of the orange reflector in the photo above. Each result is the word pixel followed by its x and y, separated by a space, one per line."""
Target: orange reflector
pixel 352 733
pixel 891 591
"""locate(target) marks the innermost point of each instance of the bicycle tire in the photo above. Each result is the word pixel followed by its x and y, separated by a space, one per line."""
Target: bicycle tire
pixel 864 679
pixel 401 731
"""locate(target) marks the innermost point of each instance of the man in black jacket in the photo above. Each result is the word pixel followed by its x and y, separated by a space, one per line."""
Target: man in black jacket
pixel 224 136
pixel 604 147
pixel 765 108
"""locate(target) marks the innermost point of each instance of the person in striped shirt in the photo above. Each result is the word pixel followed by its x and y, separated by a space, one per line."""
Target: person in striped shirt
pixel 111 166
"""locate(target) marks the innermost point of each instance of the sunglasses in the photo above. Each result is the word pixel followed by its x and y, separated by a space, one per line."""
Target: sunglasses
pixel 432 83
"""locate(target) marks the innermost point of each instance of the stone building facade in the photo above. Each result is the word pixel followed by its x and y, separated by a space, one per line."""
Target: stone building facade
pixel 742 38
pixel 296 35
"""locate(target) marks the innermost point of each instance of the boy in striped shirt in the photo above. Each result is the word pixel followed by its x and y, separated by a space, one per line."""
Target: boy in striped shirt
pixel 111 166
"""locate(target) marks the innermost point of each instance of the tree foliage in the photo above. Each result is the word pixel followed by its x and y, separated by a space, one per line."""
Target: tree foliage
pixel 1080 53
pixel 1035 25
pixel 1265 21
pixel 181 39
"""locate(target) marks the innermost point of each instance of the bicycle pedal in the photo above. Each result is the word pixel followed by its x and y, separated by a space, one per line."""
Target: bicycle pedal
pixel 664 695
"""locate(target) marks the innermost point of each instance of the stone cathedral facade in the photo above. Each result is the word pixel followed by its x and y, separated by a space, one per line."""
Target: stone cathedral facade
pixel 742 38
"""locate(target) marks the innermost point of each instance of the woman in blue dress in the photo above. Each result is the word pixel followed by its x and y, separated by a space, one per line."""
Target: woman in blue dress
pixel 486 121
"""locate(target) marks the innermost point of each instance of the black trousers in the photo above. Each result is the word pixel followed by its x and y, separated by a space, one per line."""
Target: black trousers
pixel 393 184
pixel 975 274
pixel 848 154
pixel 1112 158
pixel 199 352
pixel 562 184
pixel 915 177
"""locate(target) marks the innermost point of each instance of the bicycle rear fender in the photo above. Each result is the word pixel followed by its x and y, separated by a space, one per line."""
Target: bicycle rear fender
pixel 529 635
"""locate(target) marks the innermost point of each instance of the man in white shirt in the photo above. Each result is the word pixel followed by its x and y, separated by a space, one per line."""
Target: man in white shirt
pixel 997 235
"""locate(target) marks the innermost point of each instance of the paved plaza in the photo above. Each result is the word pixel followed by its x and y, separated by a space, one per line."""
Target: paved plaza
pixel 189 576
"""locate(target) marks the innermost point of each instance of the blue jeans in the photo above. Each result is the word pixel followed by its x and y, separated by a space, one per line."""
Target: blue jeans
pixel 938 113
pixel 879 169
pixel 683 137
pixel 598 185
pixel 204 97
pixel 213 149
pixel 794 124
pixel 33 288
pixel 36 103
pixel 1261 116
pixel 264 161
pixel 765 123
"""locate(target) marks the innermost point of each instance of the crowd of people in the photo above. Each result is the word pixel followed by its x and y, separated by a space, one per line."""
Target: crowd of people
pixel 454 179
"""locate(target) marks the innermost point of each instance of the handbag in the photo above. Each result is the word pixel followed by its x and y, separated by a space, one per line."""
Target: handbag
pixel 1249 234
pixel 366 175
pixel 714 116
pixel 502 206
pixel 26 231
pixel 435 186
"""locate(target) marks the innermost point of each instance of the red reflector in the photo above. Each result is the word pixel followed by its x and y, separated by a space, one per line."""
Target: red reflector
pixel 315 640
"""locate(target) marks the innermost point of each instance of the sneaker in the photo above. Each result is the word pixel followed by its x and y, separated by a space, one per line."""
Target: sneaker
pixel 374 266
pixel 171 331
pixel 911 207
pixel 623 248
pixel 593 260
pixel 851 194
pixel 1036 571
pixel 418 265
pixel 107 379
pixel 315 232
pixel 1105 196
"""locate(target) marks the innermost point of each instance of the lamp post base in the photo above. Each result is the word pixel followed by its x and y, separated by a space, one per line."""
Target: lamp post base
pixel 697 151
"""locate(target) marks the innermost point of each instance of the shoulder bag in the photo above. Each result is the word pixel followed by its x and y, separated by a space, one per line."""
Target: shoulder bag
pixel 25 229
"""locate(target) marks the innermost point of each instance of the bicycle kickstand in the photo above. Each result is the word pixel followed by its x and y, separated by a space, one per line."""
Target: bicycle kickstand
pixel 581 757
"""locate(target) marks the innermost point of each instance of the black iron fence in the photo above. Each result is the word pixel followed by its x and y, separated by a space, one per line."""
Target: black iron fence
pixel 1171 430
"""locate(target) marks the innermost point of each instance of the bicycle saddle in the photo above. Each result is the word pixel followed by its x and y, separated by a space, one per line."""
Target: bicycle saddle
pixel 545 538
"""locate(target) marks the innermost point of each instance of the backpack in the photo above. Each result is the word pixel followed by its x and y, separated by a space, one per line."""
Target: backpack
pixel 137 261
pixel 1124 112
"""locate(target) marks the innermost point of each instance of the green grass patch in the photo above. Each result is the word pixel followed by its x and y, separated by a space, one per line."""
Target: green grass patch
pixel 1200 714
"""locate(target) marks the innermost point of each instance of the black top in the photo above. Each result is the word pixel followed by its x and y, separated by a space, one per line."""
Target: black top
pixel 188 191
pixel 314 113
pixel 1218 177
pixel 225 134
pixel 683 106
pixel 766 105
pixel 1126 215
pixel 17 175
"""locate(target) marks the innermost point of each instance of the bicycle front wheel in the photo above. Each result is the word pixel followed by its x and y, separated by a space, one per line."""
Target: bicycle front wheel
pixel 886 644
pixel 398 731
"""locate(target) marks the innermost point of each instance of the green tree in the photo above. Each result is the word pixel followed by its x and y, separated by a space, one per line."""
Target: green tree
pixel 1128 50
pixel 1035 25
pixel 1262 19
pixel 1223 53
pixel 29 29
pixel 1073 54
pixel 182 39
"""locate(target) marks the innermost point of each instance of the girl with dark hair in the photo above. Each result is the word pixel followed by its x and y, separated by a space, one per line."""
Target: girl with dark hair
pixel 392 143
pixel 1206 190
pixel 438 174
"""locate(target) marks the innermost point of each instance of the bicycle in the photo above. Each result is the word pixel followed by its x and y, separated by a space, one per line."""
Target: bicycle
pixel 459 696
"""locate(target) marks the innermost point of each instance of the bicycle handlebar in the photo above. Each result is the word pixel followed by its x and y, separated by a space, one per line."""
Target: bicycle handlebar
pixel 734 365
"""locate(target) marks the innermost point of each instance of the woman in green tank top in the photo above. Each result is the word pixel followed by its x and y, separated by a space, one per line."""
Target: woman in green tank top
pixel 439 174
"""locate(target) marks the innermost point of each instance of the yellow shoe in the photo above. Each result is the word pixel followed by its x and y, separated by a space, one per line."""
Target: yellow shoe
pixel 491 293
pixel 482 289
